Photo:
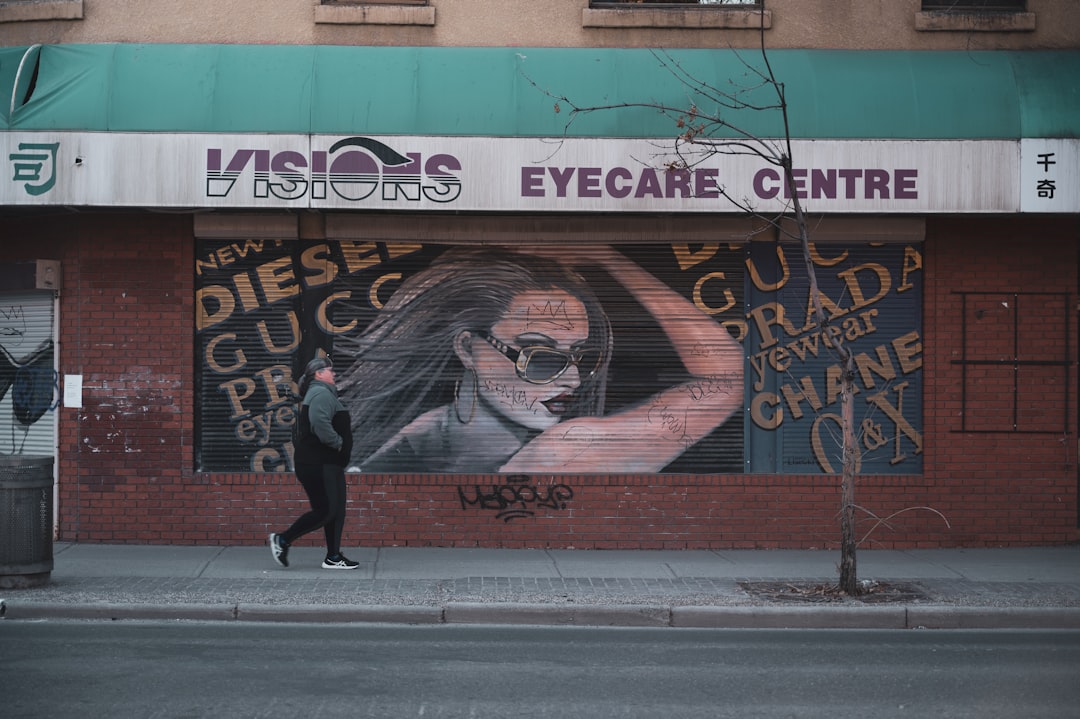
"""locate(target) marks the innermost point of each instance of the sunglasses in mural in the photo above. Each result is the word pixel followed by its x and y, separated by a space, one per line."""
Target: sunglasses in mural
pixel 538 364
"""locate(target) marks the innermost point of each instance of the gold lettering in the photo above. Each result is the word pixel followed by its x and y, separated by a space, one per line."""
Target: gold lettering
pixel 755 276
pixel 882 368
pixel 834 384
pixel 273 379
pixel 323 320
pixel 278 280
pixel 373 293
pixel 688 258
pixel 808 393
pixel 867 318
pixel 757 411
pixel 267 460
pixel 819 446
pixel 830 309
pixel 225 301
pixel 908 348
pixel 318 258
pixel 225 256
pixel 268 342
pixel 896 415
pixel 248 299
pixel 821 261
pixel 912 263
pixel 763 323
pixel 359 255
pixel 757 363
pixel 852 329
pixel 245 430
pixel 779 359
pixel 239 360
pixel 700 303
pixel 237 390
pixel 854 288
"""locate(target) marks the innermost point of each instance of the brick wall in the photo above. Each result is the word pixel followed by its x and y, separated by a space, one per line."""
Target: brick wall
pixel 126 325
pixel 1001 487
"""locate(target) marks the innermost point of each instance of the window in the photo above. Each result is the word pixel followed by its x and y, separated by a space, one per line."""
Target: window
pixel 374 12
pixel 1014 362
pixel 608 3
pixel 973 5
pixel 730 15
pixel 26 10
pixel 974 16
pixel 374 2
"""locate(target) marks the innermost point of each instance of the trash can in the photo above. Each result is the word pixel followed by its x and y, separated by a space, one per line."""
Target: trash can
pixel 26 520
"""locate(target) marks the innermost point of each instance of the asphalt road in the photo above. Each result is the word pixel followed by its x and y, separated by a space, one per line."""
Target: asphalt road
pixel 63 669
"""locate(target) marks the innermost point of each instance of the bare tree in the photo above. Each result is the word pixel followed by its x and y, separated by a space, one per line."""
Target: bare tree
pixel 707 126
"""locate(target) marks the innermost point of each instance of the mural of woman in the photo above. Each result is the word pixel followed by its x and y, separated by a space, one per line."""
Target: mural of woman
pixel 526 345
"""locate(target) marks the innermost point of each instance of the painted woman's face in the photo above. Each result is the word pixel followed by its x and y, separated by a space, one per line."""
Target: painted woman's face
pixel 525 365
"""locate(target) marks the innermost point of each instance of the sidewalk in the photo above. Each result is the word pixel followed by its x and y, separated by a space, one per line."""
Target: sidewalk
pixel 935 588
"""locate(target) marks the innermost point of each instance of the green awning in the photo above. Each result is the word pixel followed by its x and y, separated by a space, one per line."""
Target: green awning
pixel 501 91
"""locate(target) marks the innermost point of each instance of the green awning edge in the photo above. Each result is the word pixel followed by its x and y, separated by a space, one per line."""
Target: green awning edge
pixel 510 92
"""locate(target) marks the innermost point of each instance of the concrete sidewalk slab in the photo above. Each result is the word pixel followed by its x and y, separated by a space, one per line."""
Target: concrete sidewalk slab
pixel 256 562
pixel 955 588
pixel 1014 564
pixel 638 564
pixel 132 560
pixel 452 563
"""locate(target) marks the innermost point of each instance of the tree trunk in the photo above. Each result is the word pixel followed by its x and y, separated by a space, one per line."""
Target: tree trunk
pixel 849 581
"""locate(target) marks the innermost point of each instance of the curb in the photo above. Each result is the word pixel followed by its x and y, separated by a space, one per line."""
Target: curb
pixel 612 615
pixel 620 615
pixel 339 613
pixel 114 612
pixel 994 618
pixel 790 617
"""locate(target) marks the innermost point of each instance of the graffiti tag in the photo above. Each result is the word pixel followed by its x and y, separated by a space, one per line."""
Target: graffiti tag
pixel 515 499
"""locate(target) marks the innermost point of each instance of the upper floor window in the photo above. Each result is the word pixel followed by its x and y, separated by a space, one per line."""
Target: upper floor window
pixel 374 12
pixel 374 2
pixel 606 3
pixel 737 14
pixel 26 10
pixel 973 5
pixel 974 16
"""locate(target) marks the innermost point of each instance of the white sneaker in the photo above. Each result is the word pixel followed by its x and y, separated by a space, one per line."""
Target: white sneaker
pixel 279 550
pixel 339 562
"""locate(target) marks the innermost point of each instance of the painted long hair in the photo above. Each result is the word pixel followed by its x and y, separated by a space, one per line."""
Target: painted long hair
pixel 405 362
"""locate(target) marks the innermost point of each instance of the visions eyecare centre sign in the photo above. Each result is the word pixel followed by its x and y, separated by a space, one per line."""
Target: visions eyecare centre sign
pixel 487 174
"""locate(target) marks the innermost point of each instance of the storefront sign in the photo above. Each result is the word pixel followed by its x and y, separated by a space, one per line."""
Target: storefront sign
pixel 487 174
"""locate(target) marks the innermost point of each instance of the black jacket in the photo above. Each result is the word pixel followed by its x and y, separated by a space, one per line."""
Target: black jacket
pixel 324 430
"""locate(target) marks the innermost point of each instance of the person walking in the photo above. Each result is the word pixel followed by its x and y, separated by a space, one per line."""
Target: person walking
pixel 322 446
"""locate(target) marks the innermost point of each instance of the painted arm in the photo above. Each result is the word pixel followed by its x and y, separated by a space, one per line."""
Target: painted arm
pixel 652 433
pixel 706 348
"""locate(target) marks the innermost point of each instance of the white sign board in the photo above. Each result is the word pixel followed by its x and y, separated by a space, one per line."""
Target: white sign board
pixel 487 174
pixel 1049 175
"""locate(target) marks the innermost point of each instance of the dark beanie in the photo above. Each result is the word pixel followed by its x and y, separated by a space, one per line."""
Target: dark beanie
pixel 317 364
pixel 309 372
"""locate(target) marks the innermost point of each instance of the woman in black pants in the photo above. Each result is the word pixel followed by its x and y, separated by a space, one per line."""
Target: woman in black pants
pixel 322 446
